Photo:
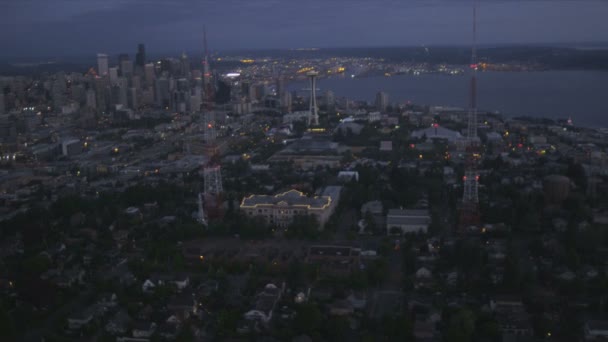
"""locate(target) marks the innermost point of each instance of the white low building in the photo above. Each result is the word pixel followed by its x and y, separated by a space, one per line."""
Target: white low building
pixel 437 132
pixel 407 221
pixel 595 330
pixel 280 209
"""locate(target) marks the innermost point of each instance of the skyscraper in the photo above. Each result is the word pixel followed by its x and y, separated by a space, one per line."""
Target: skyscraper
pixel 280 86
pixel 330 99
pixel 91 101
pixel 127 68
pixel 102 64
pixel 196 99
pixel 113 74
pixel 125 64
pixel 140 57
pixel 58 91
pixel 184 65
pixel 150 74
pixel 286 102
pixel 132 98
pixel 101 94
pixel 381 101
pixel 163 95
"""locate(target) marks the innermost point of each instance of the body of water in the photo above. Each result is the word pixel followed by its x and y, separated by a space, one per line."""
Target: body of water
pixel 581 95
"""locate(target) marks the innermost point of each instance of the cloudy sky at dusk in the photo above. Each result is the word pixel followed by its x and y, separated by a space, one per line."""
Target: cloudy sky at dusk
pixel 67 27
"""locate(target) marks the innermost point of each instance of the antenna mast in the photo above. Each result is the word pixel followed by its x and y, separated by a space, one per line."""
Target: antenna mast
pixel 469 211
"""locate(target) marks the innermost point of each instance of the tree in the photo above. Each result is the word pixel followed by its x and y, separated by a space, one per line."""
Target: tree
pixel 35 265
pixel 7 325
pixel 304 226
pixel 295 273
pixel 461 326
pixel 299 127
pixel 377 271
pixel 398 328
pixel 308 319
pixel 227 321
pixel 336 328
pixel 370 223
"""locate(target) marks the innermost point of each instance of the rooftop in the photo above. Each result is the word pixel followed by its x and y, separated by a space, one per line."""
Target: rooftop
pixel 289 198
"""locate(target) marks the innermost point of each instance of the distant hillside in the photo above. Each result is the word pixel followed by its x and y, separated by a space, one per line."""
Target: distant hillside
pixel 557 58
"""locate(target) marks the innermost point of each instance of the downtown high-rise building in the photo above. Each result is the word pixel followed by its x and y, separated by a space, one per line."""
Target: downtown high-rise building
pixel 91 100
pixel 381 101
pixel 286 102
pixel 113 75
pixel 330 99
pixel 102 64
pixel 163 94
pixel 149 74
pixel 126 68
pixel 184 65
pixel 280 86
pixel 132 98
pixel 140 57
pixel 101 94
pixel 2 104
pixel 58 91
pixel 196 99
pixel 125 64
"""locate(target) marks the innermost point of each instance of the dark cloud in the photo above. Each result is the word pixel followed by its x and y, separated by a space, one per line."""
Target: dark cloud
pixel 60 27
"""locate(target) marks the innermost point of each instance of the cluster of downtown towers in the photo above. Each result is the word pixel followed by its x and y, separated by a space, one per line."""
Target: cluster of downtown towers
pixel 169 84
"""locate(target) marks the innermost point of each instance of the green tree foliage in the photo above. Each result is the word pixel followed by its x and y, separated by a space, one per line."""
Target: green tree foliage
pixel 295 273
pixel 227 320
pixel 461 326
pixel 7 325
pixel 377 271
pixel 35 265
pixel 336 328
pixel 308 319
pixel 397 328
pixel 487 329
pixel 303 226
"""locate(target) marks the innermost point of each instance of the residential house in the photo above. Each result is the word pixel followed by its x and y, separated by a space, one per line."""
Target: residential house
pixel 511 316
pixel 265 303
pixel 143 329
pixel 119 323
pixel 372 207
pixel 424 331
pixel 334 259
pixel 169 330
pixel 107 300
pixel 182 306
pixel 82 318
pixel 347 176
pixel 341 307
pixel 358 300
pixel 180 281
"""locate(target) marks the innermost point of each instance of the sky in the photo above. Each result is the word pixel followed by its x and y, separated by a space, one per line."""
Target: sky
pixel 76 27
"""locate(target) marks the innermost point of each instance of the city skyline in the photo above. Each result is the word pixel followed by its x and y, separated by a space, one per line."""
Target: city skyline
pixel 67 27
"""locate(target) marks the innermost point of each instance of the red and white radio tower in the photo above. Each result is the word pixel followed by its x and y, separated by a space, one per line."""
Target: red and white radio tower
pixel 469 211
pixel 212 198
